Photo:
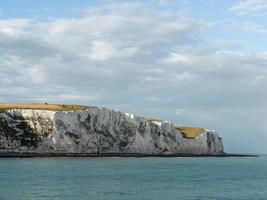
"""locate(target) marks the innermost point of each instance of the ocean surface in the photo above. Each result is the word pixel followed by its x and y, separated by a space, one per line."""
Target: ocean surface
pixel 133 178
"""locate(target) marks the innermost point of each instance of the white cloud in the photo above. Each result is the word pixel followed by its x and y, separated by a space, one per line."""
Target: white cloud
pixel 178 58
pixel 37 74
pixel 240 26
pixel 101 50
pixel 183 76
pixel 257 7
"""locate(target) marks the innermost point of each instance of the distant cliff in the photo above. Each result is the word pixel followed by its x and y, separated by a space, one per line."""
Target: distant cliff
pixel 98 131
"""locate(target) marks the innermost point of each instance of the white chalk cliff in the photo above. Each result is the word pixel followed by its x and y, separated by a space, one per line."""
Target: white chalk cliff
pixel 97 130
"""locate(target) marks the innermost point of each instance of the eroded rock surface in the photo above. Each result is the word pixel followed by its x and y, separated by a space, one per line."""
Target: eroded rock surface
pixel 97 130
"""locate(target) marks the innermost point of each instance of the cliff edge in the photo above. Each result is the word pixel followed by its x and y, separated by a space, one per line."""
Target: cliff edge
pixel 94 130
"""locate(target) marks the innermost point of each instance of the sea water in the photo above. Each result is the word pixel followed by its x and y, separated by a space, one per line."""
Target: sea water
pixel 133 178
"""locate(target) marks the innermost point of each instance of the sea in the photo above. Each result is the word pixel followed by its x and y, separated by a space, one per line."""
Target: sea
pixel 237 178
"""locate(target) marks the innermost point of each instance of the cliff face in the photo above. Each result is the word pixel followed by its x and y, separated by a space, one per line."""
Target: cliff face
pixel 97 130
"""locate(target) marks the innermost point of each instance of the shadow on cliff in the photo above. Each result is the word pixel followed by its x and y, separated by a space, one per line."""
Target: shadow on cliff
pixel 15 131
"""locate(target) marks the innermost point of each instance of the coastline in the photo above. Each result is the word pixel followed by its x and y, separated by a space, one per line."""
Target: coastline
pixel 94 155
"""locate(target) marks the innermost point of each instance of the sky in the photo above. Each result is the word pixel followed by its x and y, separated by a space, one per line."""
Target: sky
pixel 199 63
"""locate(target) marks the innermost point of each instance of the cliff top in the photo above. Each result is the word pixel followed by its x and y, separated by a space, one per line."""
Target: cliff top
pixel 39 106
pixel 187 131
pixel 190 132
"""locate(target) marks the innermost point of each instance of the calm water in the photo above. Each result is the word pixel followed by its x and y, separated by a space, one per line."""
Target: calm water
pixel 133 178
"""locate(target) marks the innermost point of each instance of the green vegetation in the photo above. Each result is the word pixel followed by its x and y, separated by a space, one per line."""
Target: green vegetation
pixel 187 131
pixel 45 106
pixel 190 132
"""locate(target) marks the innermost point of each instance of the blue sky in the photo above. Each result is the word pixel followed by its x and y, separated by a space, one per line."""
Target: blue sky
pixel 200 63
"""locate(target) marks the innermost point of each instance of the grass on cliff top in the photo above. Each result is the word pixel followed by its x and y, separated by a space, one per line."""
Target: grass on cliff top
pixel 190 132
pixel 187 131
pixel 38 106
